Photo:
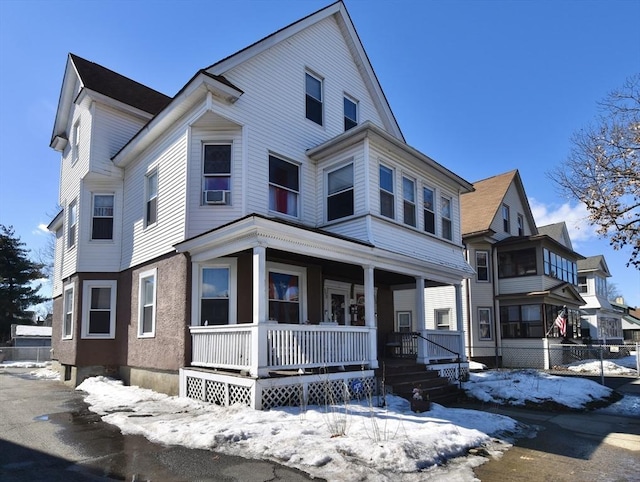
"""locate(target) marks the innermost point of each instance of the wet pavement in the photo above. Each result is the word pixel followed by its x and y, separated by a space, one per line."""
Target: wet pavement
pixel 48 434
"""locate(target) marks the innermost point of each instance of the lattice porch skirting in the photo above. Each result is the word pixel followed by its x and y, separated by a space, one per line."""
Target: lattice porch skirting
pixel 450 371
pixel 266 393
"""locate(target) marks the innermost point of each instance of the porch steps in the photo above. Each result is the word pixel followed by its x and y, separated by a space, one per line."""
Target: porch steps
pixel 401 379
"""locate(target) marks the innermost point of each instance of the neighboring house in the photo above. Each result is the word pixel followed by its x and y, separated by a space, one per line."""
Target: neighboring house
pixel 630 320
pixel 30 335
pixel 524 276
pixel 600 321
pixel 254 226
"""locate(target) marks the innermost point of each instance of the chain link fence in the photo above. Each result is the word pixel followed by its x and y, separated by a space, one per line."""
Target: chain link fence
pixel 38 354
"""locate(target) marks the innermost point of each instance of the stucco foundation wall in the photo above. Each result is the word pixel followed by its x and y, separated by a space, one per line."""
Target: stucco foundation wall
pixel 158 381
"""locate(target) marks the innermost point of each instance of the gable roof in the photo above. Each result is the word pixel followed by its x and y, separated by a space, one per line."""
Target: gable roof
pixel 558 232
pixel 354 43
pixel 594 263
pixel 480 207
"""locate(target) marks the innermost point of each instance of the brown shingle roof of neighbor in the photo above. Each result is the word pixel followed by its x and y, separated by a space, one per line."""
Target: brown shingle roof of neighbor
pixel 119 87
pixel 480 206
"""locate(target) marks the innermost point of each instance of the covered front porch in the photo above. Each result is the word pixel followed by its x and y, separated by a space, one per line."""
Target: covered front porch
pixel 331 321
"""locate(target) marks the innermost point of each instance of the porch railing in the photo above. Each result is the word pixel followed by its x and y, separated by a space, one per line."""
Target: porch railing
pixel 445 344
pixel 266 347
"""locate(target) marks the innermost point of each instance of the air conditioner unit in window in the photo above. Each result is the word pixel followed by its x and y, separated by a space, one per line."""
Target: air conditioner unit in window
pixel 216 197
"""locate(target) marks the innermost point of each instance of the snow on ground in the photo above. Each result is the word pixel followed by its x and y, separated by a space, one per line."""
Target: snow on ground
pixel 25 364
pixel 619 366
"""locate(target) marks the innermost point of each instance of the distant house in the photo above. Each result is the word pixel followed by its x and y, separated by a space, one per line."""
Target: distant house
pixel 524 275
pixel 30 335
pixel 599 319
pixel 231 242
pixel 630 320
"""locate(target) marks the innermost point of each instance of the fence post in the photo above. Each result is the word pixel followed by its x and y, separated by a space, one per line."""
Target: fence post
pixel 637 360
pixel 601 364
pixel 547 354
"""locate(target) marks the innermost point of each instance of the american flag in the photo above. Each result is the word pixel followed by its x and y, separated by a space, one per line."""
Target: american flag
pixel 561 322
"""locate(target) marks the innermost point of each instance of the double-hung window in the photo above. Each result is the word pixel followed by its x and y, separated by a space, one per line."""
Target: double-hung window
pixel 387 199
pixel 216 174
pixel 340 196
pixel 72 222
pixel 215 292
pixel 313 97
pixel 484 324
pixel 506 219
pixel 151 199
pixel 429 210
pixel 442 320
pixel 102 222
pixel 482 265
pixel 445 214
pixel 99 302
pixel 350 113
pixel 409 201
pixel 404 321
pixel 67 308
pixel 147 303
pixel 75 146
pixel 284 186
pixel 520 225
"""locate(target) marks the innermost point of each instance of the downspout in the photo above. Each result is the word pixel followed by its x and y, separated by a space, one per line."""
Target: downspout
pixel 468 296
pixel 496 306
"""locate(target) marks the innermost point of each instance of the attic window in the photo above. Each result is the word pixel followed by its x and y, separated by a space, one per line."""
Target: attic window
pixel 313 91
pixel 350 113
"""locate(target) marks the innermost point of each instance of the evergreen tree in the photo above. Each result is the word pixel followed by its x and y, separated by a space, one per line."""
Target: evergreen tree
pixel 17 272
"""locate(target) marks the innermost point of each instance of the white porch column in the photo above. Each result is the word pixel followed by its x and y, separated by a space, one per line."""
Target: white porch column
pixel 421 322
pixel 460 322
pixel 260 313
pixel 370 315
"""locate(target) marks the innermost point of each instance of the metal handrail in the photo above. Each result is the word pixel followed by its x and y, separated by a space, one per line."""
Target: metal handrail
pixel 458 358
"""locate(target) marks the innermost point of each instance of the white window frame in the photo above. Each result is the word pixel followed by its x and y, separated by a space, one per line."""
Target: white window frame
pixel 298 271
pixel 478 279
pixel 410 201
pixel 399 322
pixel 307 94
pixel 75 146
pixel 214 175
pixel 433 209
pixel 196 279
pixel 386 191
pixel 489 323
pixel 72 224
pixel 286 188
pixel 444 219
pixel 149 197
pixel 348 98
pixel 87 286
pixel 328 173
pixel 520 225
pixel 68 310
pixel 436 318
pixel 93 215
pixel 142 278
pixel 506 218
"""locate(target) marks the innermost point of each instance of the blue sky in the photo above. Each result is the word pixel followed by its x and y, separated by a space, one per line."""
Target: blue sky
pixel 483 87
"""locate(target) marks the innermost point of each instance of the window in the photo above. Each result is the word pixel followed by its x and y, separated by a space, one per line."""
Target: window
pixel 521 321
pixel 99 301
pixel 313 91
pixel 429 210
pixel 286 285
pixel 340 201
pixel 67 308
pixel 445 213
pixel 284 187
pixel 350 113
pixel 404 322
pixel 102 222
pixel 217 174
pixel 517 263
pixel 75 146
pixel 520 225
pixel 583 287
pixel 482 265
pixel 409 201
pixel 151 199
pixel 601 286
pixel 72 221
pixel 506 224
pixel 215 294
pixel 442 320
pixel 147 303
pixel 484 324
pixel 387 199
pixel 559 267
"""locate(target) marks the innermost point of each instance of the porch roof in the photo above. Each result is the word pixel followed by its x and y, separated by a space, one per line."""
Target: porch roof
pixel 257 230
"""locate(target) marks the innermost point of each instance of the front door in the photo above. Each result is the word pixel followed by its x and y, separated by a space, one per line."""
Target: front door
pixel 337 296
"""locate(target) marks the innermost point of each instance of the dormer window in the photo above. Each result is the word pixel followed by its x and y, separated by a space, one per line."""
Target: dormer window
pixel 313 91
pixel 506 223
pixel 350 113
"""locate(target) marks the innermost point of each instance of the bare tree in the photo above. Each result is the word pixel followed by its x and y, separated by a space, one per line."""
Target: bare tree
pixel 602 169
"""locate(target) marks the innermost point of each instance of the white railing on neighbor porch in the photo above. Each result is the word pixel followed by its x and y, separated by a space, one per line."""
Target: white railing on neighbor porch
pixel 271 346
pixel 447 338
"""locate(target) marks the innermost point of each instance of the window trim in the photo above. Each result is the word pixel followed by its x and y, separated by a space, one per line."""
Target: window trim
pixel 408 202
pixel 520 218
pixel 443 218
pixel 432 211
pixel 330 171
pixel 93 215
pixel 142 277
pixel 68 310
pixel 196 278
pixel 437 324
pixel 347 119
pixel 382 190
pixel 506 218
pixel 72 227
pixel 148 198
pixel 489 323
pixel 301 273
pixel 404 313
pixel 478 279
pixel 87 286
pixel 75 146
pixel 308 96
pixel 298 206
pixel 204 176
